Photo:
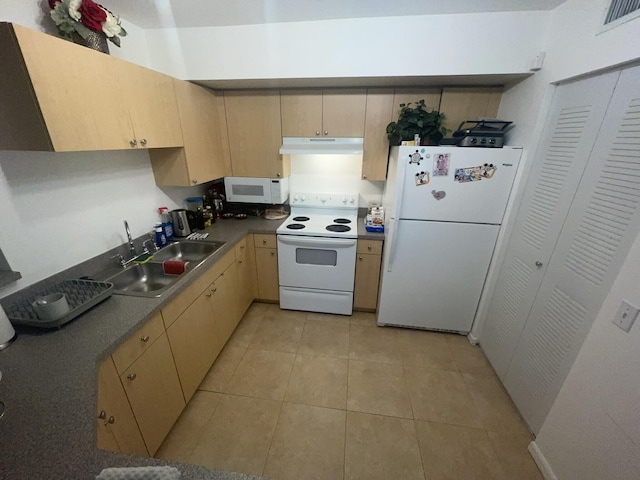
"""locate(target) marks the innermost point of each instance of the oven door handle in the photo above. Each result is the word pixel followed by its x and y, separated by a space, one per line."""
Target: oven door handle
pixel 318 242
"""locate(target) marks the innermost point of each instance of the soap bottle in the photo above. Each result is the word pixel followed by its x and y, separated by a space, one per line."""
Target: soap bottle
pixel 161 240
pixel 167 226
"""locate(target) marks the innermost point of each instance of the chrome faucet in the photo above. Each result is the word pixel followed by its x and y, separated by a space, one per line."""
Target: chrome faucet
pixel 132 247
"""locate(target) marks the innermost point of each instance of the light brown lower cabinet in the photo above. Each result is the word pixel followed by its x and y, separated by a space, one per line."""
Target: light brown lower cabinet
pixel 267 267
pixel 117 429
pixel 153 389
pixel 368 259
pixel 246 279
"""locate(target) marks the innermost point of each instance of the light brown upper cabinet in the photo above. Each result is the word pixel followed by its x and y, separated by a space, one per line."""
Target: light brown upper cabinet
pixel 255 135
pixel 205 155
pixel 468 103
pixel 379 114
pixel 58 96
pixel 323 113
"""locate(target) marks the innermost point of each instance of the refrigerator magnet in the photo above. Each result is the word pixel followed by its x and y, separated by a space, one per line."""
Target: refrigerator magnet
pixel 422 178
pixel 441 164
pixel 475 174
pixel 415 158
pixel 438 195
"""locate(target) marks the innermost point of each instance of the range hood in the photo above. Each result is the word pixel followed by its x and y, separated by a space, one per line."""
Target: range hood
pixel 321 146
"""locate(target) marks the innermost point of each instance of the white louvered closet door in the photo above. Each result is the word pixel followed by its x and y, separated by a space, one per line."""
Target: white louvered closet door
pixel 602 223
pixel 568 137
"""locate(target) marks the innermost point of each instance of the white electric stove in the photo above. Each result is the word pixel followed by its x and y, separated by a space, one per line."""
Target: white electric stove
pixel 317 252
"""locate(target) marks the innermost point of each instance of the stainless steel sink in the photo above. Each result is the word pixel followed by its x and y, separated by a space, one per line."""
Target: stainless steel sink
pixel 186 251
pixel 146 280
pixel 149 279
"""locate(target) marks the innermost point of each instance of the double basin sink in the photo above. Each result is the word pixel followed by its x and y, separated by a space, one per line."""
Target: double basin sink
pixel 149 280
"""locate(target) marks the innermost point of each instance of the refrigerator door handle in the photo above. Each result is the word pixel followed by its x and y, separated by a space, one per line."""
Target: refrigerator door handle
pixel 393 233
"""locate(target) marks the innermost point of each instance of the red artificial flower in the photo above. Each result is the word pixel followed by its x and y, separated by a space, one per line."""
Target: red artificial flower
pixel 92 15
pixel 52 3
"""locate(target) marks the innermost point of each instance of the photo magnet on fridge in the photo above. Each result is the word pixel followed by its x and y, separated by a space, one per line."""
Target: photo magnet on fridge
pixel 441 164
pixel 422 178
pixel 475 174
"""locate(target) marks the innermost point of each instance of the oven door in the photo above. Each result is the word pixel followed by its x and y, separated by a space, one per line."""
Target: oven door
pixel 317 262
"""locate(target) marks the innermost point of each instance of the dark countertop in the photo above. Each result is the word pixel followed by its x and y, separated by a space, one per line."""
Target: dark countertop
pixel 49 380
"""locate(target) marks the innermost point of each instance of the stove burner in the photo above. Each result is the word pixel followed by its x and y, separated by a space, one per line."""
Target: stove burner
pixel 300 219
pixel 295 226
pixel 338 228
pixel 342 220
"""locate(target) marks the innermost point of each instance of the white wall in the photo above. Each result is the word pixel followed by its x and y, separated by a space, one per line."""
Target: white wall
pixel 593 429
pixel 463 44
pixel 61 209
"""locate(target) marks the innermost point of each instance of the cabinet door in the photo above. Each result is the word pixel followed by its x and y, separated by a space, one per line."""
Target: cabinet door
pixel 469 103
pixel 267 273
pixel 194 343
pixel 343 112
pixel 77 91
pixel 365 293
pixel 152 105
pixel 117 427
pixel 255 135
pixel 246 278
pixel 378 115
pixel 154 392
pixel 205 155
pixel 225 303
pixel 301 113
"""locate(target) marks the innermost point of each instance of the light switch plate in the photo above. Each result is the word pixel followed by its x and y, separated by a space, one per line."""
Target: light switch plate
pixel 626 315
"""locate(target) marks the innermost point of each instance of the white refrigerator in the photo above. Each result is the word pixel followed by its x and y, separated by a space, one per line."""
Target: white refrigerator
pixel 443 211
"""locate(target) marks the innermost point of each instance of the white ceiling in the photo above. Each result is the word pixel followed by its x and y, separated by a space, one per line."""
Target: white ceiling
pixel 204 13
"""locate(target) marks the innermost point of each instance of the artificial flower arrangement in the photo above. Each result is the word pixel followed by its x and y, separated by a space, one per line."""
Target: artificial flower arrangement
pixel 83 17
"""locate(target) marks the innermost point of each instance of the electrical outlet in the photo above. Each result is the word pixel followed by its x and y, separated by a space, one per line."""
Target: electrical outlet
pixel 626 315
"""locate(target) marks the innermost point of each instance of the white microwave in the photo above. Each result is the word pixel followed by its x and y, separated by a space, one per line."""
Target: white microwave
pixel 257 190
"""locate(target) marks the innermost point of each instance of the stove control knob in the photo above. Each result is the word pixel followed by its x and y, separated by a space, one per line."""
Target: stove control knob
pixel 344 199
pixel 296 198
pixel 303 198
pixel 323 199
pixel 352 200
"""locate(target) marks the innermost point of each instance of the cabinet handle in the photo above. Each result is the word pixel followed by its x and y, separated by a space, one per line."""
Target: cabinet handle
pixel 364 177
pixel 194 181
pixel 208 295
pixel 145 339
pixel 326 132
pixel 143 142
pixel 133 142
pixel 214 290
pixel 111 420
pixel 131 376
pixel 102 415
pixel 239 261
pixel 539 264
pixel 277 174
pixel 273 253
pixel 360 258
pixel 317 133
pixel 241 247
pixel 264 242
pixel 368 247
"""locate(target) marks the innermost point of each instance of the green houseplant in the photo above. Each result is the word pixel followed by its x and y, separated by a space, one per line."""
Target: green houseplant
pixel 417 120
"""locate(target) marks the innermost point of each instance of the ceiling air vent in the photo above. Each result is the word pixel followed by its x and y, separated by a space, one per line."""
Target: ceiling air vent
pixel 620 8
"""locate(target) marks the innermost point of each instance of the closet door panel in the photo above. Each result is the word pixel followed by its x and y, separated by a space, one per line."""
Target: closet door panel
pixel 601 225
pixel 571 128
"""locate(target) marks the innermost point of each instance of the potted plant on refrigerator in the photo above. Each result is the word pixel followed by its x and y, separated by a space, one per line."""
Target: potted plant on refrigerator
pixel 417 120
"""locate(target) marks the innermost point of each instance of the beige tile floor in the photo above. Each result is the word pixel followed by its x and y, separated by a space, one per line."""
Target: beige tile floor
pixel 298 395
